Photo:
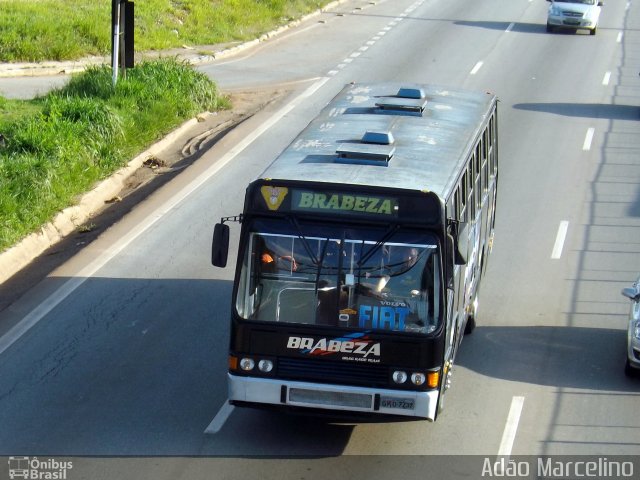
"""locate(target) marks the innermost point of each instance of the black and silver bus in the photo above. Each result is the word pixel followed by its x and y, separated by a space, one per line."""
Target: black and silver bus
pixel 361 253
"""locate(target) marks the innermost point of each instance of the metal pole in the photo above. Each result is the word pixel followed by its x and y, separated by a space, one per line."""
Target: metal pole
pixel 115 10
pixel 122 42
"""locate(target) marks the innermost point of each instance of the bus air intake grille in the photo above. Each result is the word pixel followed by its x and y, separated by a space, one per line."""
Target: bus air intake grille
pixel 332 372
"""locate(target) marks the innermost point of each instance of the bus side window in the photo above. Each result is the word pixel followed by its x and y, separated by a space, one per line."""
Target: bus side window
pixel 470 189
pixel 492 146
pixel 452 206
pixel 462 194
pixel 484 165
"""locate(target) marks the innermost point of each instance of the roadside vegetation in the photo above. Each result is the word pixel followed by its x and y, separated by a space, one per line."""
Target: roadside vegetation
pixel 55 147
pixel 37 30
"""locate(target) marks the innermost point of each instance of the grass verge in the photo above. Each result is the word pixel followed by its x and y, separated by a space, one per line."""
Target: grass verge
pixel 54 148
pixel 37 30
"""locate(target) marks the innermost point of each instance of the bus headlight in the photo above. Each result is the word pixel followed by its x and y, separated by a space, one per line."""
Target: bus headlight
pixel 265 366
pixel 418 379
pixel 247 364
pixel 399 376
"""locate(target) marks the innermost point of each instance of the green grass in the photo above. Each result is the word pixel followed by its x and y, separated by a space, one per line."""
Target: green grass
pixel 56 147
pixel 37 30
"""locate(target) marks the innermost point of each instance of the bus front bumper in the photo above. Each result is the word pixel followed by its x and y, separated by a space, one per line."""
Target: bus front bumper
pixel 332 397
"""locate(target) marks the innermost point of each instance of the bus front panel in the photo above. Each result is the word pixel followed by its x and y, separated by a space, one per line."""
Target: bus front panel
pixel 325 312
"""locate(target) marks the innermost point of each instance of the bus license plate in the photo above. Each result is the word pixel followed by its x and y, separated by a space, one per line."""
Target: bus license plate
pixel 400 403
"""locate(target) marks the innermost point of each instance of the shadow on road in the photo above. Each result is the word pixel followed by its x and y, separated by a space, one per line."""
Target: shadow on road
pixel 584 110
pixel 563 357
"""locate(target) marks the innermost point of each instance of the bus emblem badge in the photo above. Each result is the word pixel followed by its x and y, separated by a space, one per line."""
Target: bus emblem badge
pixel 273 196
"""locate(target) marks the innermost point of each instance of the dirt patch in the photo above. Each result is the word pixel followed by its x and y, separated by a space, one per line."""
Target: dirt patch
pixel 195 141
pixel 157 170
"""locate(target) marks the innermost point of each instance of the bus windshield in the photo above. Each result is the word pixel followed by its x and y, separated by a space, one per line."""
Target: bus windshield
pixel 364 277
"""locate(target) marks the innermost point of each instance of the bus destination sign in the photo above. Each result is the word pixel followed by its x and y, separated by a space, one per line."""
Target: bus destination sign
pixel 340 203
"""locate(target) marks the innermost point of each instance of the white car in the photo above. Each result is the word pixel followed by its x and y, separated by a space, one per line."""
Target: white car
pixel 574 14
pixel 632 366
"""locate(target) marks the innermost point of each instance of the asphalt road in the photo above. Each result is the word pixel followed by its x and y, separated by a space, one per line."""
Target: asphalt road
pixel 122 350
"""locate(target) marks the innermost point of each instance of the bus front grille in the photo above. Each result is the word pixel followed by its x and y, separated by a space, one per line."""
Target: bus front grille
pixel 333 372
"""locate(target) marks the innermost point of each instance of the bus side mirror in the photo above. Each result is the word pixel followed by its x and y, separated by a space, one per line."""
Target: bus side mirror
pixel 454 244
pixel 449 261
pixel 631 293
pixel 220 245
pixel 458 256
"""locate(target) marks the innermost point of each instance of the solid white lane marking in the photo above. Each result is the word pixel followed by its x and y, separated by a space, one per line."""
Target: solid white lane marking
pixel 511 427
pixel 220 419
pixel 477 67
pixel 606 79
pixel 588 139
pixel 83 275
pixel 556 253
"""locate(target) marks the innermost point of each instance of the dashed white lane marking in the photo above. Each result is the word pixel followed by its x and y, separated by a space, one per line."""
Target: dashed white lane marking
pixel 372 41
pixel 588 139
pixel 220 419
pixel 477 67
pixel 556 253
pixel 511 427
pixel 606 79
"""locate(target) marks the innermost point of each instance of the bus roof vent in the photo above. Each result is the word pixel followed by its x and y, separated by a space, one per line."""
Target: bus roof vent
pixel 407 100
pixel 381 138
pixel 375 148
pixel 415 93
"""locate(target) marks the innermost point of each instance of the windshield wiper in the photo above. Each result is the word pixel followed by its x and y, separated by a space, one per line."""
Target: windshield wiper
pixel 305 243
pixel 389 233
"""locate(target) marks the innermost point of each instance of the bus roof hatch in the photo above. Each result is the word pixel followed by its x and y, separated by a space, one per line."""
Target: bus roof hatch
pixel 408 100
pixel 375 148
